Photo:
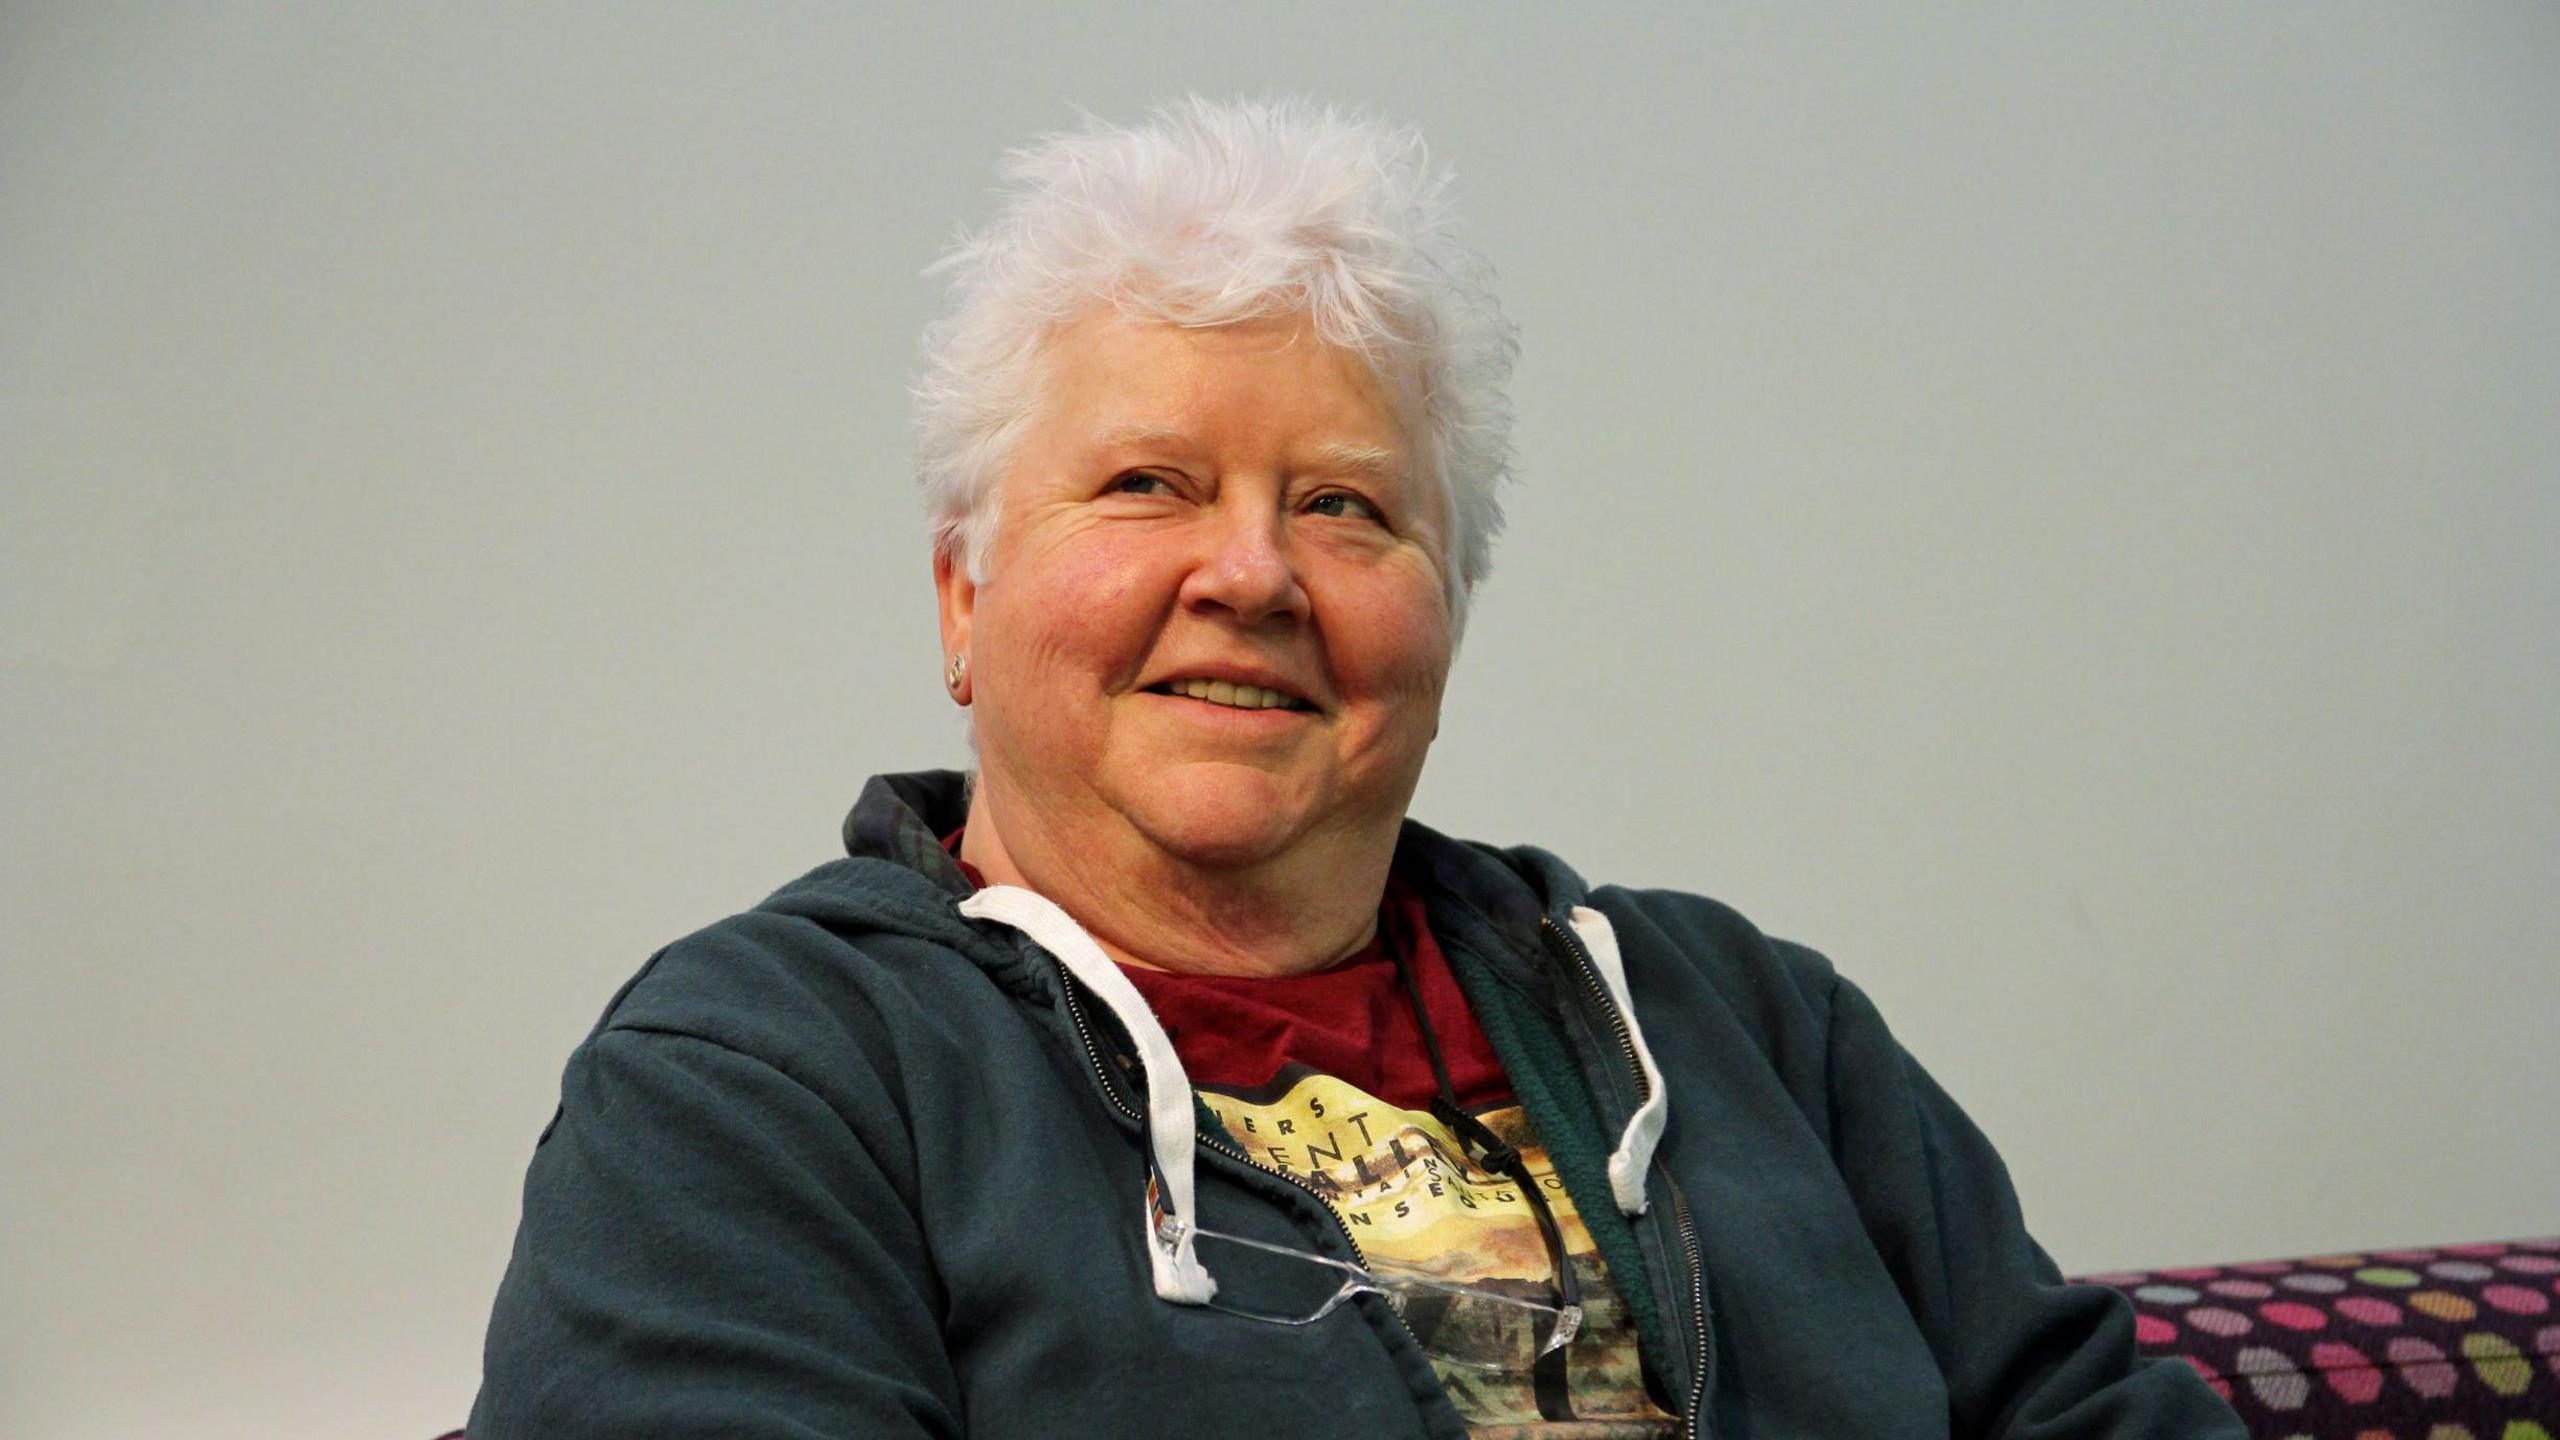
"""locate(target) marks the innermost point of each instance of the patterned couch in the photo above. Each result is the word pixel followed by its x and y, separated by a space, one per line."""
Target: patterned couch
pixel 2461 1342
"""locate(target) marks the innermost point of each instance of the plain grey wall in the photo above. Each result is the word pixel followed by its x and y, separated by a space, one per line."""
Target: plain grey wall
pixel 2054 506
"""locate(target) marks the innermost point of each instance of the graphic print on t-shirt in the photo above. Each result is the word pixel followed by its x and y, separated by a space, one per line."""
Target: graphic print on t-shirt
pixel 1408 1194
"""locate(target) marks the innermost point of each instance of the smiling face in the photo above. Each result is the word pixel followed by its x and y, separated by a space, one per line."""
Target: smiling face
pixel 1215 620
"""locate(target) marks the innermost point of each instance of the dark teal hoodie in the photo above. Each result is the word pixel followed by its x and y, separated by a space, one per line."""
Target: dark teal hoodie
pixel 854 1164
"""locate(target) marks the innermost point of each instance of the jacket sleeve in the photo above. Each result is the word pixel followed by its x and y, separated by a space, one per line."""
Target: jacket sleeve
pixel 2026 1355
pixel 709 1248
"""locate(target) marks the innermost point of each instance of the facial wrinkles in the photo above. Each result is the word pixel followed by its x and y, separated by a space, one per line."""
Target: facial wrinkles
pixel 1415 688
pixel 1265 565
pixel 1094 595
pixel 1060 543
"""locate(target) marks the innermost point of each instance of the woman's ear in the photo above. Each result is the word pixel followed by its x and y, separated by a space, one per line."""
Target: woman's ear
pixel 956 596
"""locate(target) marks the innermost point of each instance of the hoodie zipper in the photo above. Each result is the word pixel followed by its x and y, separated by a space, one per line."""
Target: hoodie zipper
pixel 1571 946
pixel 1102 1074
pixel 1691 1418
pixel 1590 974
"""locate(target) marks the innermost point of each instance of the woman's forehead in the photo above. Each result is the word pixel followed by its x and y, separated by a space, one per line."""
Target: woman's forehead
pixel 1114 382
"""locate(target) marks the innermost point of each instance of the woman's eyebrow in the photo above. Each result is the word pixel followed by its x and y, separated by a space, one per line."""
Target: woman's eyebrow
pixel 1137 434
pixel 1374 461
pixel 1340 456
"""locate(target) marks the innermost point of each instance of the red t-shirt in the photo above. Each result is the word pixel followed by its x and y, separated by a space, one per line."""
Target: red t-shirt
pixel 1353 1020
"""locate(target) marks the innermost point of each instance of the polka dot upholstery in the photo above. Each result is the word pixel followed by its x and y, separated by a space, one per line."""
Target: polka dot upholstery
pixel 2461 1342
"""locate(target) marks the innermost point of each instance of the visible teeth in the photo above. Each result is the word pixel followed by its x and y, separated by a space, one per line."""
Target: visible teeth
pixel 1241 697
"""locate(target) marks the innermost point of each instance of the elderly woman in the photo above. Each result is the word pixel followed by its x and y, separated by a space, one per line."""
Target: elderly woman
pixel 1163 1077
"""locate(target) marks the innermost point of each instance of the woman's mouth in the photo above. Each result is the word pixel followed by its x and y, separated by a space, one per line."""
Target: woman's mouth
pixel 1232 695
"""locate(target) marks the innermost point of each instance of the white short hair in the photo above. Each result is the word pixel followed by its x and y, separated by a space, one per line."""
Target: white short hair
pixel 1211 213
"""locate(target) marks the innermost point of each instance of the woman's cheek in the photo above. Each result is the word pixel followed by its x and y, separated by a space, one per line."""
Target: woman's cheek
pixel 1107 571
pixel 1401 632
pixel 1086 601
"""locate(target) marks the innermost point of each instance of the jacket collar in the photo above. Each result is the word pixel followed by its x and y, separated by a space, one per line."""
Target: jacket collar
pixel 902 819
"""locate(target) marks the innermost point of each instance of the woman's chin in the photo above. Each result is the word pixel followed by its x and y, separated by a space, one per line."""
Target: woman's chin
pixel 1223 815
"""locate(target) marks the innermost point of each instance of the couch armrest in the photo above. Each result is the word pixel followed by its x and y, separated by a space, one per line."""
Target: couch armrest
pixel 2452 1342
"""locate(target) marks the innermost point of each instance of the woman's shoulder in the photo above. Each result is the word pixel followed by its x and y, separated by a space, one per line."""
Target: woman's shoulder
pixel 1716 938
pixel 842 961
pixel 1678 947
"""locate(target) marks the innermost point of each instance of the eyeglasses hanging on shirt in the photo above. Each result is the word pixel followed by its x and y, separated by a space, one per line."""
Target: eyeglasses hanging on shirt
pixel 1467 1324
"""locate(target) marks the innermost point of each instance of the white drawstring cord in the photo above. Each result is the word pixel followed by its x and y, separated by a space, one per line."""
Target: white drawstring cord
pixel 1628 1162
pixel 1170 1134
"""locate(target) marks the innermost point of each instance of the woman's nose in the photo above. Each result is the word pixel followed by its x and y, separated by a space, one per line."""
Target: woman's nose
pixel 1247 568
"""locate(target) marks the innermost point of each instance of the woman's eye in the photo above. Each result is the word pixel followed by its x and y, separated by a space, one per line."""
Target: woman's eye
pixel 1344 503
pixel 1141 482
